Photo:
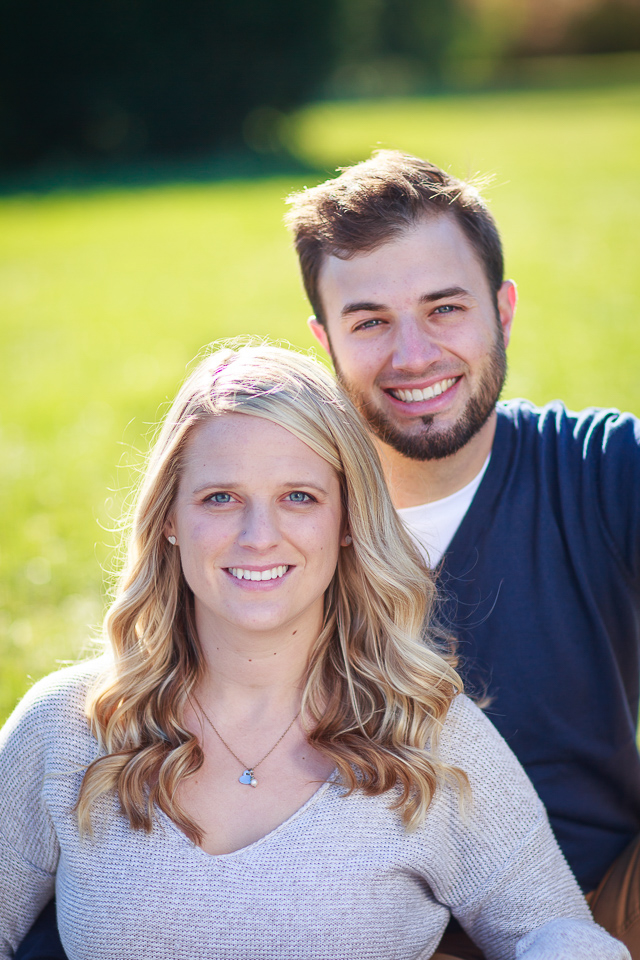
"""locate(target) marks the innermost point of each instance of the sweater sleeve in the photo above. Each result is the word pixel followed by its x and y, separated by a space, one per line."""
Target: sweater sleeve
pixel 28 845
pixel 501 871
pixel 38 743
pixel 609 443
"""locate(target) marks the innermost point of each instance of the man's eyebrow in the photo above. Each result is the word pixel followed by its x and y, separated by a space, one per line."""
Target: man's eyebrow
pixel 370 306
pixel 359 305
pixel 444 294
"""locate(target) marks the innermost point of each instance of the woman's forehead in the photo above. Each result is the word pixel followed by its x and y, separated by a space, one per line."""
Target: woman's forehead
pixel 246 444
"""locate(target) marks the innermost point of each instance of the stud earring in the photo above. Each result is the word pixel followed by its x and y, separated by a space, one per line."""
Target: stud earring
pixel 347 540
pixel 172 541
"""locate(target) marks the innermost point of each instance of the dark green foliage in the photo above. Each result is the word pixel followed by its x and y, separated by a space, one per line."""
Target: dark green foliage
pixel 123 78
pixel 422 30
pixel 106 83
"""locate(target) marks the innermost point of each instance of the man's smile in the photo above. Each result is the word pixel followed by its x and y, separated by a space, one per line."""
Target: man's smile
pixel 416 394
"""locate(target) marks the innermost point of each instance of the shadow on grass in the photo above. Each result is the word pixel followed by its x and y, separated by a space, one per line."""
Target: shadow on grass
pixel 86 177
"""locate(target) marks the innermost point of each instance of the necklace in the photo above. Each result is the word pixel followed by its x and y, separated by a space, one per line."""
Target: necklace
pixel 247 774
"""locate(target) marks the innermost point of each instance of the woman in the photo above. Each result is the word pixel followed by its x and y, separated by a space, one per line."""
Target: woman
pixel 275 759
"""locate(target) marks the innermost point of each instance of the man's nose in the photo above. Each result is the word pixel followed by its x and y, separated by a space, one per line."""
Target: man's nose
pixel 414 347
pixel 259 529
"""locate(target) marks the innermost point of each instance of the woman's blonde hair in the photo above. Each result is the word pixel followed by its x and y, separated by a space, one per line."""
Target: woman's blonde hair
pixel 378 685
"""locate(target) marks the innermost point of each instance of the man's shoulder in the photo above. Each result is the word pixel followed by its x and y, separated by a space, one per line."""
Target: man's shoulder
pixel 583 465
pixel 589 431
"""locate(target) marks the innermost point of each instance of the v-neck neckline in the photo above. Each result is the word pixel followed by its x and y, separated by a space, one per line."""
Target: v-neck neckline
pixel 219 857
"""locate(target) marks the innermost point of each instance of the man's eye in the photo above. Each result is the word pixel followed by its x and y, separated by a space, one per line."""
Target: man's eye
pixel 368 324
pixel 298 496
pixel 220 498
pixel 446 308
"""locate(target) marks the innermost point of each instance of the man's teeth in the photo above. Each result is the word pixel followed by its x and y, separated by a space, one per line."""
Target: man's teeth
pixel 413 396
pixel 272 574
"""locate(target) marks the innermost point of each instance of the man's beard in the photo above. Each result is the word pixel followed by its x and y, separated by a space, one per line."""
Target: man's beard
pixel 431 443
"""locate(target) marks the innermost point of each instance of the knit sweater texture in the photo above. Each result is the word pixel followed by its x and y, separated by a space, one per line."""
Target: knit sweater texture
pixel 341 879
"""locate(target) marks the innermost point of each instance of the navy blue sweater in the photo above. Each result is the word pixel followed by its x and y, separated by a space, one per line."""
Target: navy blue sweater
pixel 541 583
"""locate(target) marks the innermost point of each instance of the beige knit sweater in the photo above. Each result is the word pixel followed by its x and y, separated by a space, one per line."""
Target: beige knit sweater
pixel 339 880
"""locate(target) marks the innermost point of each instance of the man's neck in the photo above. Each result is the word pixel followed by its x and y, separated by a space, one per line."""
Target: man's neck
pixel 413 482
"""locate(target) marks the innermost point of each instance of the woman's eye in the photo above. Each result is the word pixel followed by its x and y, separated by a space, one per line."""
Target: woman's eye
pixel 220 498
pixel 298 496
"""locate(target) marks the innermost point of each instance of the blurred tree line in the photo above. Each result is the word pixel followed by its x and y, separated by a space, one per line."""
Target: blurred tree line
pixel 122 79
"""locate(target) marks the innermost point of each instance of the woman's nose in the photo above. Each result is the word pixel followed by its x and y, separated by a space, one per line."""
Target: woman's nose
pixel 260 530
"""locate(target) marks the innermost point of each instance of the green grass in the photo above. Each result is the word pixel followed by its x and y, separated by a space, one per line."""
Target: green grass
pixel 106 296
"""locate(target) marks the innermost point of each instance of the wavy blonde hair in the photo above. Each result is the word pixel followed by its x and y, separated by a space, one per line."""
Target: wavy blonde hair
pixel 379 680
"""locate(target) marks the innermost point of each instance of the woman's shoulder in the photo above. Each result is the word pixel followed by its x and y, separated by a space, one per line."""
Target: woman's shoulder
pixel 466 718
pixel 466 725
pixel 48 737
pixel 57 701
pixel 470 741
pixel 465 722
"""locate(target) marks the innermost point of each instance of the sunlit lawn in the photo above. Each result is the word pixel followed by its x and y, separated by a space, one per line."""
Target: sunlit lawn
pixel 105 297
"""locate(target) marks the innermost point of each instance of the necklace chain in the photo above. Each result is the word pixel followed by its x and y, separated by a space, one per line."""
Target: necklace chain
pixel 235 755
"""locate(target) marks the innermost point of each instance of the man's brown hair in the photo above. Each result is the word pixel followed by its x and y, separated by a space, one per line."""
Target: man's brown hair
pixel 373 201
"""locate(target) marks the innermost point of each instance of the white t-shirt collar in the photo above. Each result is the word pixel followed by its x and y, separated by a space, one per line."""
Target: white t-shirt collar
pixel 433 525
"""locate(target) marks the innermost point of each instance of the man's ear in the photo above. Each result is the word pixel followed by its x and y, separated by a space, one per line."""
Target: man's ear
pixel 319 331
pixel 507 300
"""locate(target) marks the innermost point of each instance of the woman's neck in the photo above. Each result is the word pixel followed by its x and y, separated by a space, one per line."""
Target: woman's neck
pixel 251 671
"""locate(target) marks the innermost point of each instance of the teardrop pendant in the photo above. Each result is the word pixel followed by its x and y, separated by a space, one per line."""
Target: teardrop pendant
pixel 246 777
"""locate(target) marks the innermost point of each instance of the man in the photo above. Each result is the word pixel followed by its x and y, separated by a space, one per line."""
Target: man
pixel 530 516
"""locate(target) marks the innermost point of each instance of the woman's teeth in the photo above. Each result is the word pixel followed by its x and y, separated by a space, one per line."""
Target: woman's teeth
pixel 413 396
pixel 272 574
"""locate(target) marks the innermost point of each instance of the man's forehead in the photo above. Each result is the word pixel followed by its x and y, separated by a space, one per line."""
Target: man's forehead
pixel 433 251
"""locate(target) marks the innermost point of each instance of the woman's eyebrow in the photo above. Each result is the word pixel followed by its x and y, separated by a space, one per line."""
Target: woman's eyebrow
pixel 220 484
pixel 235 485
pixel 306 484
